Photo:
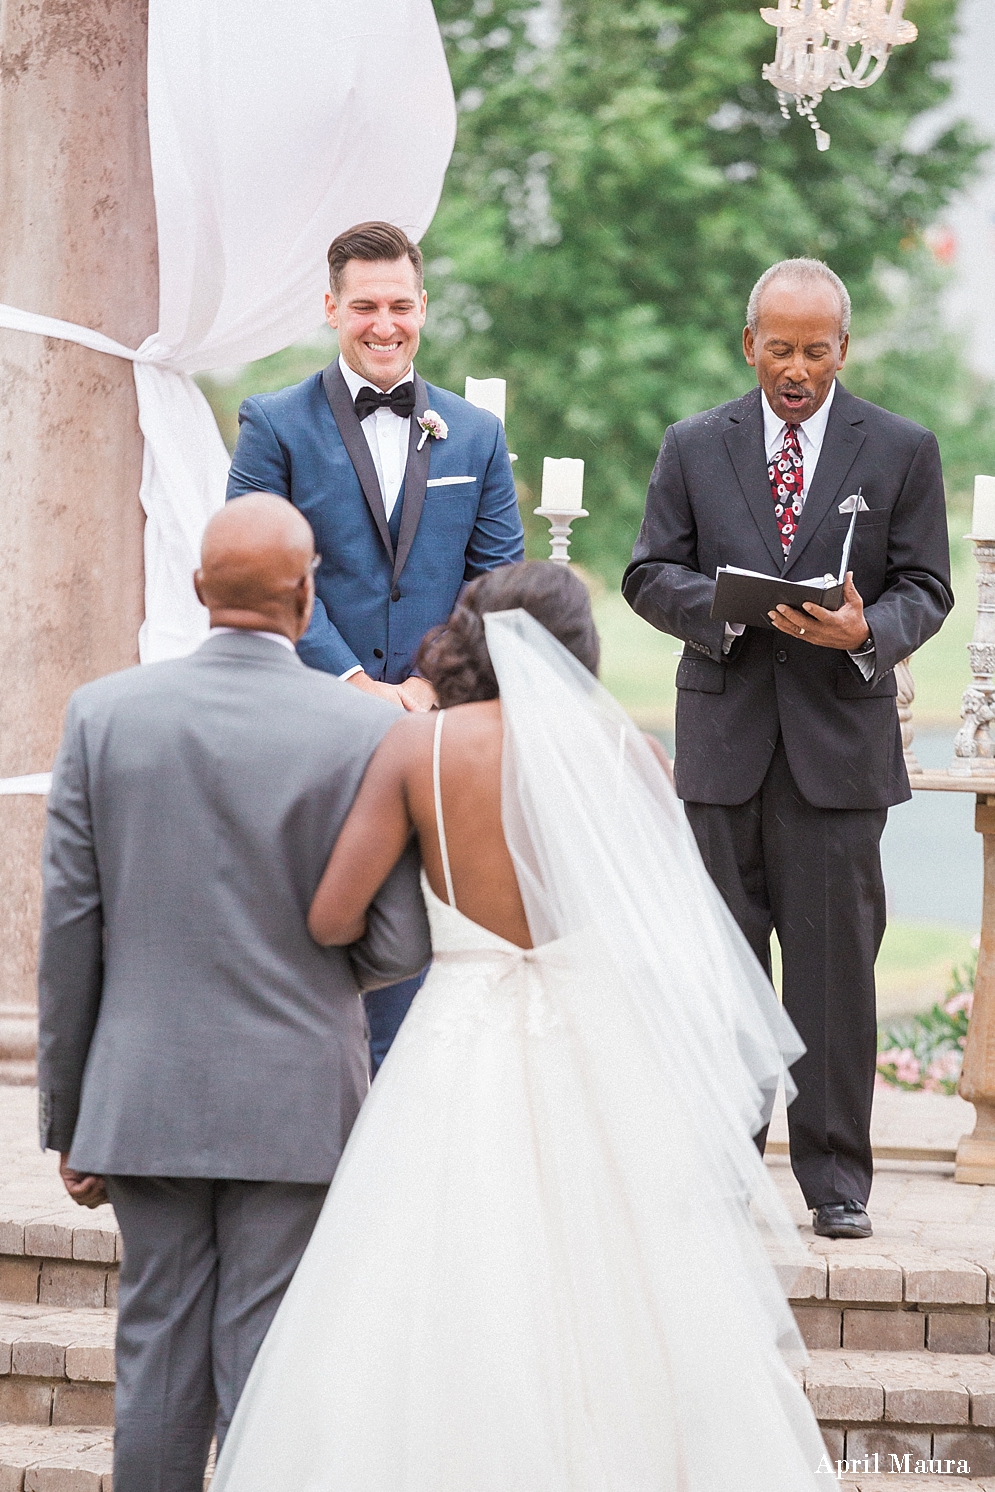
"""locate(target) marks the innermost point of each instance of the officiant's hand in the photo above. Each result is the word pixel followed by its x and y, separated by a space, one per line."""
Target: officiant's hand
pixel 88 1191
pixel 414 694
pixel 844 629
pixel 417 695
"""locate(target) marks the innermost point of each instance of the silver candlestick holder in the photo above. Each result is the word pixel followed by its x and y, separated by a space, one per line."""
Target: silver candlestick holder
pixel 974 748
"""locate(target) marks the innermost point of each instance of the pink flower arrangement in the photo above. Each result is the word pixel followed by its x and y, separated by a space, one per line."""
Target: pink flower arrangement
pixel 907 1066
pixel 943 1072
pixel 926 1052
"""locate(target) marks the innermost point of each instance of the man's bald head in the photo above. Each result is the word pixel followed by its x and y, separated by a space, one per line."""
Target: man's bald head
pixel 256 566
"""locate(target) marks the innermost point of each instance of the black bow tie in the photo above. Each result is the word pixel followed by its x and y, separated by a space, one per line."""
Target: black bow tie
pixel 401 400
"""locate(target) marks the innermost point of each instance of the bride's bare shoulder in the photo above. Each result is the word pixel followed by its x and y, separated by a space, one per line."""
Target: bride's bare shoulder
pixel 410 739
pixel 412 730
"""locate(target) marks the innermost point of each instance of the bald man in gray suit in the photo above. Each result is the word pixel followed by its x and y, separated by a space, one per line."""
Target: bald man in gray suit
pixel 201 1059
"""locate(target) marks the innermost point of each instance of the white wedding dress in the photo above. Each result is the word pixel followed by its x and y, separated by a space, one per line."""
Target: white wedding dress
pixel 549 1258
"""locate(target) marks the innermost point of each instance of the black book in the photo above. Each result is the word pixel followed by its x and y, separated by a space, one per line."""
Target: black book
pixel 746 596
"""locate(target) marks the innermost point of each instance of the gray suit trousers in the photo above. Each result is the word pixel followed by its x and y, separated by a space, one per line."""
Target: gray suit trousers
pixel 205 1267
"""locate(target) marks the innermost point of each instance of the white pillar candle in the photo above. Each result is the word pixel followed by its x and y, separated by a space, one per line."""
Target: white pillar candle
pixel 487 393
pixel 983 517
pixel 562 484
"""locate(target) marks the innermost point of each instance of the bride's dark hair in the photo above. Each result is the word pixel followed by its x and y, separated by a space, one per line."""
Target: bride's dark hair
pixel 454 657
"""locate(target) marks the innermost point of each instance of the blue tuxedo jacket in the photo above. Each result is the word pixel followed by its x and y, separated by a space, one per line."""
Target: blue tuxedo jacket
pixel 381 587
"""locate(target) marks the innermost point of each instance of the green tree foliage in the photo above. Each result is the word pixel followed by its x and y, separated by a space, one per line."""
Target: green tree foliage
pixel 622 175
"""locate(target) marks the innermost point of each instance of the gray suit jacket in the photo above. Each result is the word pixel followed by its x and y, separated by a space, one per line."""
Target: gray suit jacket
pixel 190 1026
pixel 710 504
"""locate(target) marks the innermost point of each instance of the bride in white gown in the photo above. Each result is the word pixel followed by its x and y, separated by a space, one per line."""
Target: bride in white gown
pixel 550 1257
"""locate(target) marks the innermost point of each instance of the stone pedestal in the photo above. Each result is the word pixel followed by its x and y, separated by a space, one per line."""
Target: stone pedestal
pixel 78 242
pixel 976 1151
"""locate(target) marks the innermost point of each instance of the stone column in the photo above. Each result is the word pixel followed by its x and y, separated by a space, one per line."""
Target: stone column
pixel 77 241
pixel 976 1151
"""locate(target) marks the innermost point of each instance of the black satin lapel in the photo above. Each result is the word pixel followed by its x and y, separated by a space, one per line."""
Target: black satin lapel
pixel 839 450
pixel 351 431
pixel 745 444
pixel 415 480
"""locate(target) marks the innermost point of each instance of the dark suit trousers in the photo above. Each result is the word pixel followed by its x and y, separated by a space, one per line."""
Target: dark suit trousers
pixel 205 1265
pixel 813 875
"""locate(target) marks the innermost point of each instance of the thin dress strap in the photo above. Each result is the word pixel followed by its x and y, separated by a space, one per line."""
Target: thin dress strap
pixel 439 821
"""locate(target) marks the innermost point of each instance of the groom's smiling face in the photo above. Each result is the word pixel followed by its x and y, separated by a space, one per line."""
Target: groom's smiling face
pixel 378 311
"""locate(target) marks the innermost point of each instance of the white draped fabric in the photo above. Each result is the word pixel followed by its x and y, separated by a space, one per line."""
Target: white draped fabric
pixel 272 128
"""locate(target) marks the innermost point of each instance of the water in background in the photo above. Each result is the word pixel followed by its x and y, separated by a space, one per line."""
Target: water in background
pixel 931 854
pixel 930 851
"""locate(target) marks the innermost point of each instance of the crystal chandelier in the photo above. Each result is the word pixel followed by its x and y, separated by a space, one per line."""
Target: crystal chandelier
pixel 813 40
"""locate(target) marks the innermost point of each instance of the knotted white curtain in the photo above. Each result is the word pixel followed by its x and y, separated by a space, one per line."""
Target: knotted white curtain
pixel 272 127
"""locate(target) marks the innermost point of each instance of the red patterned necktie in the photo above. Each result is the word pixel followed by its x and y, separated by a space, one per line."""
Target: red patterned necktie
pixel 787 478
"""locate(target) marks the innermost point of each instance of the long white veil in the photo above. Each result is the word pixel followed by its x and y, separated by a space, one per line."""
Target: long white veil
pixel 605 857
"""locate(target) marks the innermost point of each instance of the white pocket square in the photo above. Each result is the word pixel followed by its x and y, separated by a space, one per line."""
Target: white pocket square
pixel 447 481
pixel 853 501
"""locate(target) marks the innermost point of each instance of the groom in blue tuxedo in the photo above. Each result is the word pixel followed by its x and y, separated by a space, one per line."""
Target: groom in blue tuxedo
pixel 408 489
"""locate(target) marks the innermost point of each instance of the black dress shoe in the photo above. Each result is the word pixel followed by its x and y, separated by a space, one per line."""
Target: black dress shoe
pixel 841 1220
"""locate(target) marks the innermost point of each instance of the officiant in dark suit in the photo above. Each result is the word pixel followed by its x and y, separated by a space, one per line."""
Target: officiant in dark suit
pixel 408 489
pixel 789 751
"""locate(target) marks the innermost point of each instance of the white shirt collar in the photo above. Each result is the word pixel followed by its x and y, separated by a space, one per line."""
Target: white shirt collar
pixel 354 382
pixel 814 428
pixel 271 636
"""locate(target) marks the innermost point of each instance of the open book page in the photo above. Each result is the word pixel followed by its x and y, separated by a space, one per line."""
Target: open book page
pixel 820 581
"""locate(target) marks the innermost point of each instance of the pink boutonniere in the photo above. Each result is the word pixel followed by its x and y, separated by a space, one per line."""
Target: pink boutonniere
pixel 433 425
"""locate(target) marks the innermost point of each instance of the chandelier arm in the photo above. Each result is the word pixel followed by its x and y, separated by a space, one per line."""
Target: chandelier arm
pixel 855 76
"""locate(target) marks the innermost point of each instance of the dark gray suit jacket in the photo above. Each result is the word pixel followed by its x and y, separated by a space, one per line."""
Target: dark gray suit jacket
pixel 710 504
pixel 190 1026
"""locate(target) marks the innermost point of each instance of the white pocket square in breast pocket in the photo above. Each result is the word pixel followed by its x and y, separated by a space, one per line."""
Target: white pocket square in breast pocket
pixel 853 501
pixel 447 481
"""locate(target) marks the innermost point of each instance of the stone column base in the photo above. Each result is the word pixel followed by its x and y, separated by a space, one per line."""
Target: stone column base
pixel 976 1152
pixel 975 1162
pixel 18 1046
pixel 22 824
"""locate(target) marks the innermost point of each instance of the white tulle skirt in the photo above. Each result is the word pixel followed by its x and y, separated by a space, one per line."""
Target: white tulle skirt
pixel 531 1274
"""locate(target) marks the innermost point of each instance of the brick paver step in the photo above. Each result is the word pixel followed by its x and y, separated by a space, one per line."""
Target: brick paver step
pixel 66 1283
pixel 906 1388
pixel 904 1301
pixel 922 1405
pixel 55 1253
pixel 900 1277
pixel 888 1481
pixel 962 1330
pixel 61 1231
pixel 56 1367
pixel 33 1459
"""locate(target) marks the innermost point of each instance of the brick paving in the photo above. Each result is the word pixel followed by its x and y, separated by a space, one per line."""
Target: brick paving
pixel 37 1460
pixel 900 1324
pixel 914 1206
pixel 918 1212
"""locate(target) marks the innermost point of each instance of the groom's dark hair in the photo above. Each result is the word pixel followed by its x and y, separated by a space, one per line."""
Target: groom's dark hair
pixel 454 657
pixel 377 243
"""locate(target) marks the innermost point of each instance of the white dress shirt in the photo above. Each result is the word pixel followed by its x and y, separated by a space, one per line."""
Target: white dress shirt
pixel 386 434
pixel 270 636
pixel 811 434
